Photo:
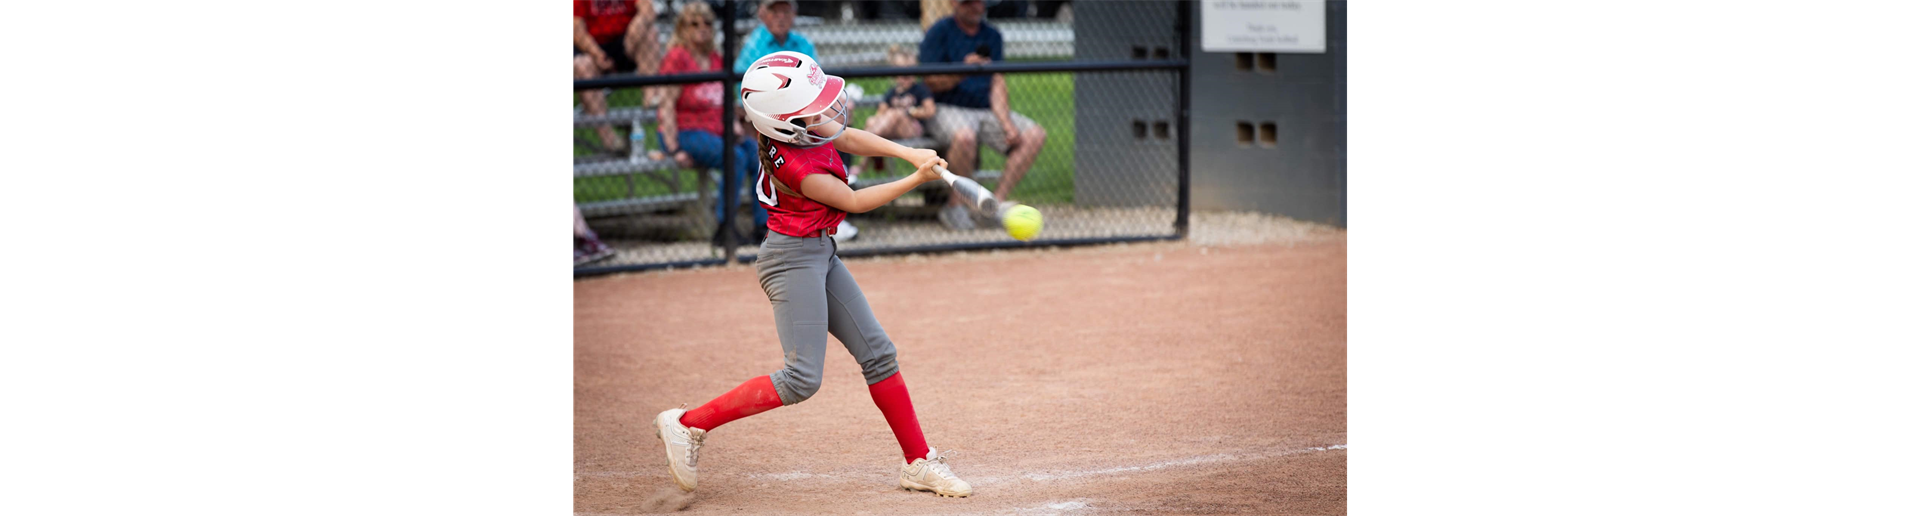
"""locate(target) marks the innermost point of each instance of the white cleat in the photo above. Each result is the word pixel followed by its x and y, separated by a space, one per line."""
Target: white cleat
pixel 683 447
pixel 932 474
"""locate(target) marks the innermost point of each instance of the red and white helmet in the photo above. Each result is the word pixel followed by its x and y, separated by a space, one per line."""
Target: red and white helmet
pixel 785 86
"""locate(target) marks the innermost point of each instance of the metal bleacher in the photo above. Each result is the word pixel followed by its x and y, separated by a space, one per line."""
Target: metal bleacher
pixel 683 196
pixel 839 45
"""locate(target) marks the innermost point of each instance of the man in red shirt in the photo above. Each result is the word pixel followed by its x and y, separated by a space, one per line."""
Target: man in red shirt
pixel 612 36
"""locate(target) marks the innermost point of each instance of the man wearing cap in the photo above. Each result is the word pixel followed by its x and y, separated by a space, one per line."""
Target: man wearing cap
pixel 973 109
pixel 774 34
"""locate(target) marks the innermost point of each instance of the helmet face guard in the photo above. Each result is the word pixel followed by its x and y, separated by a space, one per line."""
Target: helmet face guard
pixel 839 112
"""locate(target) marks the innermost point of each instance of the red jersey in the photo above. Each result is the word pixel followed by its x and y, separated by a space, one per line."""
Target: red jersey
pixel 794 215
pixel 699 104
pixel 605 19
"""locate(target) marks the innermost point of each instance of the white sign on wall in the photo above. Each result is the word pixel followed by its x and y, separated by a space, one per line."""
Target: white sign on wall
pixel 1263 26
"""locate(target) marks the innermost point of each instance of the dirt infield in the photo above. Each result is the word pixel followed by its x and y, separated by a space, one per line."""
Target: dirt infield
pixel 1166 378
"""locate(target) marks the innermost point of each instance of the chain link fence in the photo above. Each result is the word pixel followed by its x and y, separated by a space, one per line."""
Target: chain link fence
pixel 1102 81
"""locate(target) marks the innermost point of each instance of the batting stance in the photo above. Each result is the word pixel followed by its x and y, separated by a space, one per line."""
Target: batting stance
pixel 800 112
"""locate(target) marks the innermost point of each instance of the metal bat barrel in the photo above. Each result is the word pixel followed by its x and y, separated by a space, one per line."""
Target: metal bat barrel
pixel 977 195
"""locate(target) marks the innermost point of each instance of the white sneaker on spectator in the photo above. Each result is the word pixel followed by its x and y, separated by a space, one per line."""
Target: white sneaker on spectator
pixel 845 232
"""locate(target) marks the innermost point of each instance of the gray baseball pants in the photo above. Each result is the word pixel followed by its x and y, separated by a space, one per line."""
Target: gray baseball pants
pixel 814 295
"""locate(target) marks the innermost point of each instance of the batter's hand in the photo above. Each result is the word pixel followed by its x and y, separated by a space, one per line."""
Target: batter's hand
pixel 919 156
pixel 926 173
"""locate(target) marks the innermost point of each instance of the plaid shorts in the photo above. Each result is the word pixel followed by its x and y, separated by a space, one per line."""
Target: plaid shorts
pixel 948 119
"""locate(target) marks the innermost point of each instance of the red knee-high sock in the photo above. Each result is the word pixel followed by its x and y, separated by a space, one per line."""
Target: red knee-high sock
pixel 752 397
pixel 891 396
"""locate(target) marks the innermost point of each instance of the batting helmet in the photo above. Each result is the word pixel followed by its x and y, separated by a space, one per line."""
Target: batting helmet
pixel 782 88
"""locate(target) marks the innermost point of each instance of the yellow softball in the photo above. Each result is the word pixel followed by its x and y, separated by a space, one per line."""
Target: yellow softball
pixel 1022 222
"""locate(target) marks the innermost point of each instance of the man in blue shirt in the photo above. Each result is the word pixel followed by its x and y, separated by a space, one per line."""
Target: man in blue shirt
pixel 973 109
pixel 774 34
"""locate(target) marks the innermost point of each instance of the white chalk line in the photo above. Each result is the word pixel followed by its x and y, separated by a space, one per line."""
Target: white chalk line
pixel 619 473
pixel 1204 459
pixel 795 475
pixel 1037 477
pixel 1051 509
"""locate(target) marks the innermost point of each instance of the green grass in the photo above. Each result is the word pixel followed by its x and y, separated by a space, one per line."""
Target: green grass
pixel 1047 98
pixel 616 187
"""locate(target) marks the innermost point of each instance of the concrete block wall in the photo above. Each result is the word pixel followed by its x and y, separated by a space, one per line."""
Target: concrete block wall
pixel 1126 141
pixel 1269 131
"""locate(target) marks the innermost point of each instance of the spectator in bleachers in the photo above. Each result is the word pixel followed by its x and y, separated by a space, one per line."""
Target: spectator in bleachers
pixel 973 108
pixel 901 110
pixel 587 247
pixel 774 34
pixel 690 118
pixel 612 36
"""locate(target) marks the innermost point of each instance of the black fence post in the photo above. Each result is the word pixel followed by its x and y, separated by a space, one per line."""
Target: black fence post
pixel 1184 26
pixel 728 139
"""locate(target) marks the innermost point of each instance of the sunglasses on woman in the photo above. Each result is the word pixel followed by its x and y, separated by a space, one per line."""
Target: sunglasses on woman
pixel 699 23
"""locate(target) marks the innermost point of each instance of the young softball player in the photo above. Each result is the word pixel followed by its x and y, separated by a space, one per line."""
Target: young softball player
pixel 800 114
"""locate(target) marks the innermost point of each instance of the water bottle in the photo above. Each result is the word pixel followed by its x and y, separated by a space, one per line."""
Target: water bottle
pixel 637 143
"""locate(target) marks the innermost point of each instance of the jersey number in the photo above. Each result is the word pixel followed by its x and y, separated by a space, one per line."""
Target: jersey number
pixel 763 188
